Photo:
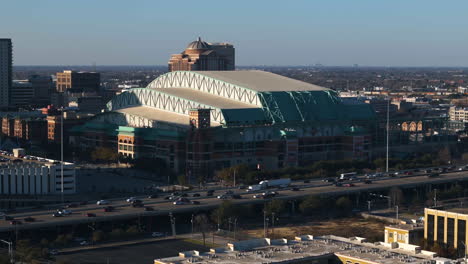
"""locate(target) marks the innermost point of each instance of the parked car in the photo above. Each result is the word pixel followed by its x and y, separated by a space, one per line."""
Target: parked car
pixel 102 202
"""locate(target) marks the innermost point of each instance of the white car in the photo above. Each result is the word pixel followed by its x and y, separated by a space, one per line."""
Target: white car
pixel 157 234
pixel 102 202
pixel 131 199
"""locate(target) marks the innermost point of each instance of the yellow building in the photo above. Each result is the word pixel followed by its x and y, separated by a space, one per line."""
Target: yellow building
pixel 446 226
pixel 403 233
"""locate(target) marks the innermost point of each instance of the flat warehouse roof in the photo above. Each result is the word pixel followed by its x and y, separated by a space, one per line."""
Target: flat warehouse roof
pixel 206 98
pixel 262 81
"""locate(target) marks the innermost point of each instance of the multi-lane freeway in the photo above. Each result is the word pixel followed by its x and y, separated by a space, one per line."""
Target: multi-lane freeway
pixel 161 206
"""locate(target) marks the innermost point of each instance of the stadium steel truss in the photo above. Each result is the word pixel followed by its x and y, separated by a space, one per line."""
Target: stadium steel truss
pixel 237 98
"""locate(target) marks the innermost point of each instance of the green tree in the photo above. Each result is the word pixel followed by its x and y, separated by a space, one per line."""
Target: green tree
pixel 225 210
pixel 275 206
pixel 311 205
pixel 104 154
pixel 344 205
pixel 98 236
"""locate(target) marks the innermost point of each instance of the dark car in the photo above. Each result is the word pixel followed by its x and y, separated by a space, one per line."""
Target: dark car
pixel 56 214
pixel 428 171
pixel 149 208
pixel 72 205
pixel 432 175
pixel 167 197
pixel 17 160
pixel 152 196
pixel 29 219
pixel 236 196
pixel 91 215
pixel 210 193
pixel 338 184
pixel 15 222
pixel 184 195
pixel 196 195
pixel 306 181
pixel 175 194
pixel 108 209
pixel 83 202
pixel 295 189
pixel 194 202
pixel 137 203
pixel 367 181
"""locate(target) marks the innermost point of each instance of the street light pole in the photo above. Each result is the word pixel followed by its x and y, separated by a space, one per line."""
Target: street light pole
pixel 388 130
pixel 61 155
pixel 10 249
pixel 192 224
pixel 435 197
pixel 264 224
pixel 396 207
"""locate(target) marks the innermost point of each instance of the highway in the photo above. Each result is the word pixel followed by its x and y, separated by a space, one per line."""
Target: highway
pixel 124 210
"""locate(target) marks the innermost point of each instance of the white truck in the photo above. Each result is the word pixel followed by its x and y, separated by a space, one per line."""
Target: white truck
pixel 280 183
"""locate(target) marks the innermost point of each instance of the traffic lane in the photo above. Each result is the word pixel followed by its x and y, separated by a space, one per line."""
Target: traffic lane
pixel 168 206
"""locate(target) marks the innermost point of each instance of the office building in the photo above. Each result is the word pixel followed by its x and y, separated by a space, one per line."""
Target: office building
pixel 78 82
pixel 43 88
pixel 202 56
pixel 21 93
pixel 458 114
pixel 6 69
pixel 446 227
pixel 311 250
pixel 54 126
pixel 37 178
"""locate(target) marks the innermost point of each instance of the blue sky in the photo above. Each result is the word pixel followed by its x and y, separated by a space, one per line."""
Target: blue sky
pixel 288 32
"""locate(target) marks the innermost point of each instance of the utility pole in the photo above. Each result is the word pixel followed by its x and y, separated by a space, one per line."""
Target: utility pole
pixel 273 223
pixel 264 224
pixel 234 177
pixel 435 197
pixel 172 219
pixel 396 207
pixel 388 129
pixel 235 227
pixel 191 221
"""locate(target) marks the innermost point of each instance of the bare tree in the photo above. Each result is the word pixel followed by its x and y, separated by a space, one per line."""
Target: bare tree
pixel 202 225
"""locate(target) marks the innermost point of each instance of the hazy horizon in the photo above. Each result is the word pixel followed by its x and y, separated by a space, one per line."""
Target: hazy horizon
pixel 265 33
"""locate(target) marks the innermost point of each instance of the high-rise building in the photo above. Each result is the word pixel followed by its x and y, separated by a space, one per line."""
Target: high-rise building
pixel 21 93
pixel 6 68
pixel 78 82
pixel 202 56
pixel 43 87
